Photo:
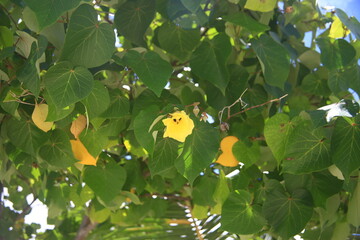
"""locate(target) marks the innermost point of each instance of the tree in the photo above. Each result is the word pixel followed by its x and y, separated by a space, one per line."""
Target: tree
pixel 262 133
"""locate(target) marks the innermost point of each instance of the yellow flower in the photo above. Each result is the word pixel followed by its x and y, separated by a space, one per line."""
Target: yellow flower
pixel 178 126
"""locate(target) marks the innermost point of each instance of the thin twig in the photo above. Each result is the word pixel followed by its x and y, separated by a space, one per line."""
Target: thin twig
pixel 260 105
pixel 230 106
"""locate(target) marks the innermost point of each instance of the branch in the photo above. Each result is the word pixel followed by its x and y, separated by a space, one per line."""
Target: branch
pixel 9 15
pixel 260 105
pixel 85 228
pixel 230 106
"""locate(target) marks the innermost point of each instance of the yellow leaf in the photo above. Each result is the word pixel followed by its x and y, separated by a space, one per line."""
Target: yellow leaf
pixel 39 116
pixel 337 29
pixel 261 5
pixel 81 153
pixel 178 126
pixel 78 125
pixel 227 158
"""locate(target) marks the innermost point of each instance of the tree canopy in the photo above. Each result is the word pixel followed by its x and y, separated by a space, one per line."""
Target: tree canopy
pixel 170 119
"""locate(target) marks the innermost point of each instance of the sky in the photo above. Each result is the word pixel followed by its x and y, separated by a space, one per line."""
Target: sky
pixel 351 7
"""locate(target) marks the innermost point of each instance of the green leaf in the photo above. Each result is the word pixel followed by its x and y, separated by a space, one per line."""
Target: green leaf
pixel 199 150
pixel 351 23
pixel 118 107
pixel 203 191
pixel 353 213
pixel 288 215
pixel 344 78
pixel 221 193
pixel 29 74
pixel 6 37
pixel 209 60
pixel 55 113
pixel 323 186
pixel 274 60
pixel 67 84
pixel 57 151
pixel 178 41
pixel 142 123
pixel 341 230
pixel 240 216
pixel 316 83
pixel 47 12
pixel 133 18
pixel 246 154
pixel 335 53
pixel 277 131
pixel 261 5
pixel 25 135
pixel 192 5
pixel 106 182
pixel 164 156
pixel 307 150
pixel 88 42
pixel 95 140
pixel 151 69
pixel 249 23
pixel 345 145
pixel 97 101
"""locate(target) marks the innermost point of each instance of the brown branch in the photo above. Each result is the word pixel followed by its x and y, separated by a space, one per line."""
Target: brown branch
pixel 85 228
pixel 260 105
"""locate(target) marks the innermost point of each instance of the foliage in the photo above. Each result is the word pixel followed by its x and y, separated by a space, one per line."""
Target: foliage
pixel 95 81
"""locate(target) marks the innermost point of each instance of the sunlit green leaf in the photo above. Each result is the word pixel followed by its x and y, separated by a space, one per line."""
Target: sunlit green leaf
pixel 307 150
pixel 198 151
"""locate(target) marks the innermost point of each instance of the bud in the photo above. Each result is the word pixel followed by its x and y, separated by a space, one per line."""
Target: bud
pixel 196 110
pixel 224 127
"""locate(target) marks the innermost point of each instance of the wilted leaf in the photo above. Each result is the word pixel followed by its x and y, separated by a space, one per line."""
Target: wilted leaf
pixel 78 125
pixel 227 157
pixel 81 153
pixel 39 116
